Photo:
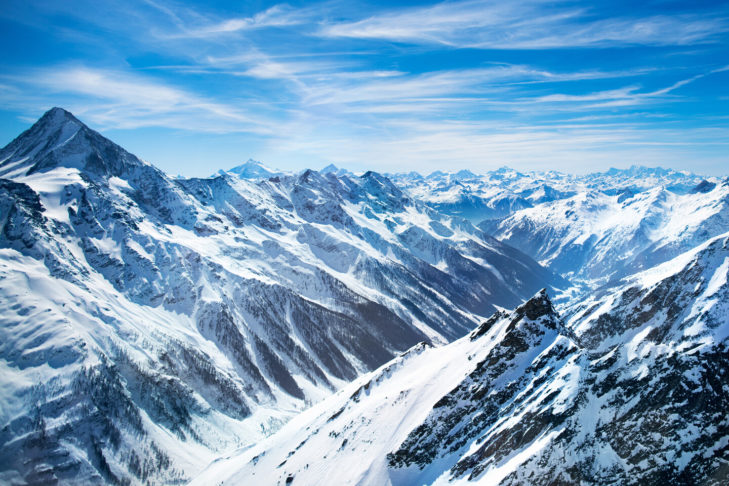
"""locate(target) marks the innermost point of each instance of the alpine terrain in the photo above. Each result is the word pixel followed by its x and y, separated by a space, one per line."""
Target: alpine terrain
pixel 592 229
pixel 324 327
pixel 625 381
pixel 631 389
pixel 149 324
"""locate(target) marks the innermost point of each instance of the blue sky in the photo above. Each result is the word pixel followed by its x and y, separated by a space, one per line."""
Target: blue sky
pixel 564 85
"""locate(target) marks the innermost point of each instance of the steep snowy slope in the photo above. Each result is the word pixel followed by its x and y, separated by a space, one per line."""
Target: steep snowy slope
pixel 596 237
pixel 632 390
pixel 347 438
pixel 149 324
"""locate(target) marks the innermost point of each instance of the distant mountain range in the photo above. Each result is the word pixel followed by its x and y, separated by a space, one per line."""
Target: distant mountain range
pixel 500 193
pixel 592 228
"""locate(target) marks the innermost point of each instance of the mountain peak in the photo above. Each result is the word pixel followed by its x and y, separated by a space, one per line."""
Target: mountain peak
pixel 703 187
pixel 253 169
pixel 435 174
pixel 464 174
pixel 59 139
pixel 371 174
pixel 374 179
pixel 538 309
pixel 54 120
pixel 311 177
pixel 58 116
pixel 334 170
pixel 537 306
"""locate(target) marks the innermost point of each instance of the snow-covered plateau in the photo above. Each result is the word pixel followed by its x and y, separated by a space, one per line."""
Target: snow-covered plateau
pixel 325 327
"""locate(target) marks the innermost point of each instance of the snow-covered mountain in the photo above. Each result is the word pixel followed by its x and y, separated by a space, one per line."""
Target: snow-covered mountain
pixel 596 237
pixel 333 169
pixel 150 324
pixel 465 194
pixel 591 229
pixel 632 388
pixel 251 169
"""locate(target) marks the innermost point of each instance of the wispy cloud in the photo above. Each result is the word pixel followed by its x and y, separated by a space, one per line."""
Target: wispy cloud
pixel 524 25
pixel 625 96
pixel 116 99
pixel 502 87
pixel 337 81
pixel 277 16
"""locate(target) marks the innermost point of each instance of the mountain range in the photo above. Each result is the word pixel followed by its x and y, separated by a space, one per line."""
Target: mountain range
pixel 285 327
pixel 631 389
pixel 150 323
pixel 500 193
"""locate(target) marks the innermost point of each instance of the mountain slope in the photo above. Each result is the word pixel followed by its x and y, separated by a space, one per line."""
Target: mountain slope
pixel 150 324
pixel 631 390
pixel 357 427
pixel 597 237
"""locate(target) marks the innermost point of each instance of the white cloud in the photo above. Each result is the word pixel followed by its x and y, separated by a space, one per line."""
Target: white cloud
pixel 276 16
pixel 500 84
pixel 524 25
pixel 115 99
